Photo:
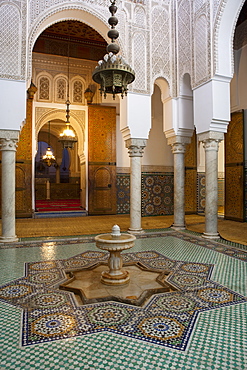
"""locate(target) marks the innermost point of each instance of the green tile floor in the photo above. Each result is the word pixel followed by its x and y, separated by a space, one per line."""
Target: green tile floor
pixel 219 340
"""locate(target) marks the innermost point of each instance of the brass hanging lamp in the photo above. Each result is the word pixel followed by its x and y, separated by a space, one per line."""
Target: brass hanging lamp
pixel 48 158
pixel 113 74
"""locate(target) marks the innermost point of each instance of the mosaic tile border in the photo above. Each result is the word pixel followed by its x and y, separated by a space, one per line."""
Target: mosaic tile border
pixel 223 246
pixel 166 319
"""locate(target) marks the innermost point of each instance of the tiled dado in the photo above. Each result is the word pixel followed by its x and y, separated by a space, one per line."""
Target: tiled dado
pixel 157 193
pixel 123 193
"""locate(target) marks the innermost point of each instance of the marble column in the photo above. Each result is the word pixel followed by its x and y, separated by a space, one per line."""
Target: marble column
pixel 135 149
pixel 210 142
pixel 8 144
pixel 178 144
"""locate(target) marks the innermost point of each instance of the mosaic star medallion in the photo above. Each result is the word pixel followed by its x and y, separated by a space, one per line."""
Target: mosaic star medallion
pixel 163 318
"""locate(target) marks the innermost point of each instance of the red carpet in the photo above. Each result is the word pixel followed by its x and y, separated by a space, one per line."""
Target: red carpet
pixel 58 205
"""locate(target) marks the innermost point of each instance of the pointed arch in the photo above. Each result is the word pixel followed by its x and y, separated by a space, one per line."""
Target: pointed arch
pixel 224 34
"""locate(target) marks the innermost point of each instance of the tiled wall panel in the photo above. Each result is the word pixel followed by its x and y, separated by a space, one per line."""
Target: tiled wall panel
pixel 157 194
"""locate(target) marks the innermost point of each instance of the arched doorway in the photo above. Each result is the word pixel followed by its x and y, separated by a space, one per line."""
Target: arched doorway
pixel 63 58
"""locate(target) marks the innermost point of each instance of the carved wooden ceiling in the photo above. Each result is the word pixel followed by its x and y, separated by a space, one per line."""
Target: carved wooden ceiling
pixel 76 31
pixel 82 39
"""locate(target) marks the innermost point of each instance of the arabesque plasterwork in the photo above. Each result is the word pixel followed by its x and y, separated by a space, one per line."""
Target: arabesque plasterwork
pixel 162 38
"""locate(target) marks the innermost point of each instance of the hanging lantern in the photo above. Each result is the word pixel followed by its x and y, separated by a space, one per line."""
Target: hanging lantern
pixel 48 158
pixel 67 137
pixel 113 74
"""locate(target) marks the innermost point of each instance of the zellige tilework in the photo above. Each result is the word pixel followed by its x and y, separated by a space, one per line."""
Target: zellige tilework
pixel 217 341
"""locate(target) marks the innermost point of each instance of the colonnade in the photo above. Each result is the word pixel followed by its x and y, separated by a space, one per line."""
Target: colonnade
pixel 178 144
pixel 210 140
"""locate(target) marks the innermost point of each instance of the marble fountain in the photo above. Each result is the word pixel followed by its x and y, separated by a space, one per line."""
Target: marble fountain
pixel 115 243
pixel 129 282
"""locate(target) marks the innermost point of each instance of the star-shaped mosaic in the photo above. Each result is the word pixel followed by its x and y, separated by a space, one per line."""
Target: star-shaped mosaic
pixel 163 313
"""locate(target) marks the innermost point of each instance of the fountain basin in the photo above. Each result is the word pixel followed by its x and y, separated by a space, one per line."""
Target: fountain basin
pixel 115 243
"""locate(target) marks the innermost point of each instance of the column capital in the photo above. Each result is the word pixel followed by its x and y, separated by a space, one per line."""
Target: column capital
pixel 211 140
pixel 178 143
pixel 136 147
pixel 9 139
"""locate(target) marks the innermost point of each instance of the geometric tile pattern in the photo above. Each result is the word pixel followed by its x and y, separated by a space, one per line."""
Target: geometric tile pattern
pixel 166 319
pixel 123 193
pixel 218 340
pixel 157 194
pixel 201 191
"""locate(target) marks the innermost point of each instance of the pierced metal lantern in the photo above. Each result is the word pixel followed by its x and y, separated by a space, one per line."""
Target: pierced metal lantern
pixel 113 74
pixel 67 137
pixel 48 158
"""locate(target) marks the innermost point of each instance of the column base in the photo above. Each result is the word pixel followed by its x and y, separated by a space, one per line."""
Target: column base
pixel 211 235
pixel 8 239
pixel 135 231
pixel 178 227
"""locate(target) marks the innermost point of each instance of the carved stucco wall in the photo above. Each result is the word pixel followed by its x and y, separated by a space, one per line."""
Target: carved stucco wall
pixel 161 38
pixel 13 15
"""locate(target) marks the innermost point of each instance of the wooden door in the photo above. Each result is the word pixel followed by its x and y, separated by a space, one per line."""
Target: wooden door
pixel 102 160
pixel 234 168
pixel 190 160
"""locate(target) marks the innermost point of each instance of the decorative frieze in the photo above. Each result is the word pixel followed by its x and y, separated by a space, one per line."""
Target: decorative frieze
pixel 161 38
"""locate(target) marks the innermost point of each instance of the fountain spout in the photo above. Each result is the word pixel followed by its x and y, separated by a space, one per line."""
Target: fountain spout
pixel 115 232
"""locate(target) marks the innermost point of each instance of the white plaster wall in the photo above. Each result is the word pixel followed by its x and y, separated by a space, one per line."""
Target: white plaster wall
pixel 13 104
pixel 212 105
pixel 135 115
pixel 157 151
pixel 239 81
